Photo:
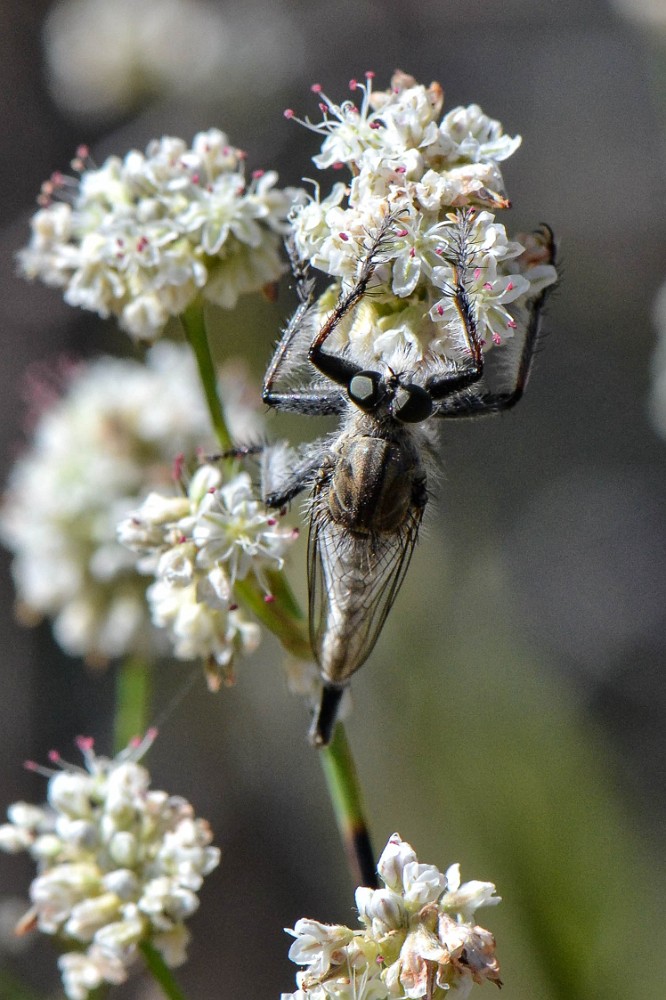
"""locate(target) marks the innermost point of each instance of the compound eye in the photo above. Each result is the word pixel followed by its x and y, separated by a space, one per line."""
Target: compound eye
pixel 412 404
pixel 366 389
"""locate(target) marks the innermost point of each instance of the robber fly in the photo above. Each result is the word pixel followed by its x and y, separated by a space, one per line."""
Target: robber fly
pixel 369 483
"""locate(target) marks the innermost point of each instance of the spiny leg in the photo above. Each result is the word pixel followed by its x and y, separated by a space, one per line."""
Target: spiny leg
pixel 291 352
pixel 476 401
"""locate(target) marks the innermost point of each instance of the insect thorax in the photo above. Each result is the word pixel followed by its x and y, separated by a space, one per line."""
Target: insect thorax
pixel 375 484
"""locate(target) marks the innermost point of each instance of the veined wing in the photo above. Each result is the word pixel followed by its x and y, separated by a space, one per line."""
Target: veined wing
pixel 353 579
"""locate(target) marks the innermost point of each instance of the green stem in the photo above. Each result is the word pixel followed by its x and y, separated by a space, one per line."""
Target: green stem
pixel 133 688
pixel 194 323
pixel 281 616
pixel 161 972
pixel 345 792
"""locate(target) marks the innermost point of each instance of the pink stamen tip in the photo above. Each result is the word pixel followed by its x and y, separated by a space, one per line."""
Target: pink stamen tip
pixel 30 765
pixel 338 165
pixel 440 310
pixel 241 154
pixel 401 170
pixel 57 179
pixel 402 232
pixel 482 342
pixel 477 273
pixel 182 539
pixel 141 243
pixel 488 286
pixel 83 152
pixel 510 286
pixel 375 125
pixel 177 466
pixel 54 756
pixel 211 489
pixel 369 74
pixel 152 733
pixel 195 178
pixel 512 325
pixel 323 107
pixel 233 607
pixel 344 237
pixel 257 174
pixel 316 88
pixel 497 339
pixel 84 743
pixel 295 532
pixel 353 84
pixel 269 599
pixel 412 252
pixel 271 522
pixel 135 742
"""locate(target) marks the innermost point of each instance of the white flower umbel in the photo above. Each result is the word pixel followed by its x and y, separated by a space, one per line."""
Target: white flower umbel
pixel 199 546
pixel 96 452
pixel 409 163
pixel 141 238
pixel 418 938
pixel 118 864
pixel 104 59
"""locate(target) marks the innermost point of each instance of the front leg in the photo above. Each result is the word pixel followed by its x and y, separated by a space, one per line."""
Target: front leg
pixel 285 474
pixel 340 369
pixel 290 357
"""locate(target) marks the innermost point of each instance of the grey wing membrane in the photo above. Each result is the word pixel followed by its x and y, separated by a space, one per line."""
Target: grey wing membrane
pixel 353 580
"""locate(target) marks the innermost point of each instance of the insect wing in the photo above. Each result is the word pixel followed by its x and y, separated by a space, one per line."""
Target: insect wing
pixel 353 579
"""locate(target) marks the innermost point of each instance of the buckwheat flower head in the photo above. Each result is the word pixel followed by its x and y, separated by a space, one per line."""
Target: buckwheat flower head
pixel 102 60
pixel 417 938
pixel 141 238
pixel 118 864
pixel 96 452
pixel 199 546
pixel 429 175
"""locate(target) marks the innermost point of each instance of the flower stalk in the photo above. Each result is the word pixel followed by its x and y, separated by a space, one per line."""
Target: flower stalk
pixel 133 695
pixel 194 324
pixel 161 972
pixel 344 789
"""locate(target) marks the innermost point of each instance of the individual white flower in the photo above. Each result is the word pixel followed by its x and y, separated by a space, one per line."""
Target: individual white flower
pixel 199 547
pixel 96 452
pixel 141 238
pixel 100 906
pixel 409 168
pixel 417 937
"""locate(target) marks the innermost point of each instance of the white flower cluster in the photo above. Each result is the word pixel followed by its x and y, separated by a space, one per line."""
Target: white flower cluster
pixel 408 164
pixel 199 546
pixel 103 60
pixel 141 238
pixel 96 452
pixel 118 865
pixel 418 938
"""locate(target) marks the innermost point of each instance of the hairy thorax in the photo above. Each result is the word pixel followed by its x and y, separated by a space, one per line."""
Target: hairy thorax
pixel 374 484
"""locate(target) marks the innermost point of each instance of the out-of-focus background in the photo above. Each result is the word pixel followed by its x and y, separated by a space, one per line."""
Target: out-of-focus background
pixel 512 714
